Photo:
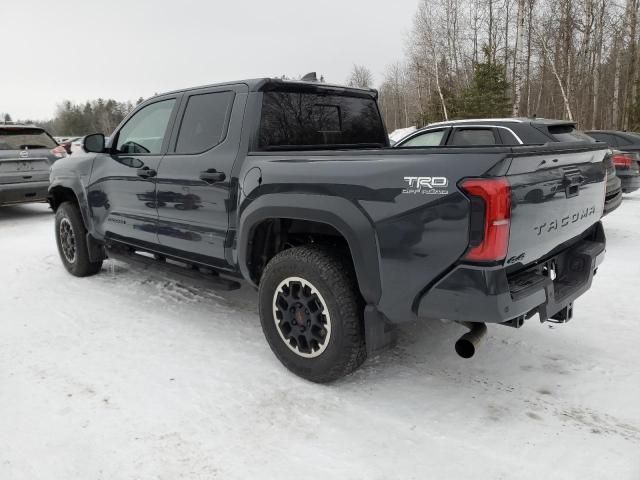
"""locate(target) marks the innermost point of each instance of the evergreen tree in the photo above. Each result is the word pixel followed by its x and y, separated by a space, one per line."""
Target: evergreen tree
pixel 487 96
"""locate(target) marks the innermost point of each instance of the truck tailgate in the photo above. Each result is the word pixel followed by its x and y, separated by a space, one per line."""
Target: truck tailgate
pixel 555 197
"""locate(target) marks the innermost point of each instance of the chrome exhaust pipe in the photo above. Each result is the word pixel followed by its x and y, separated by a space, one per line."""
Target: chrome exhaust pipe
pixel 468 343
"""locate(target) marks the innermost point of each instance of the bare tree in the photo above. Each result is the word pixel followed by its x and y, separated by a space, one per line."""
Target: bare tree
pixel 631 83
pixel 561 58
pixel 519 61
pixel 360 77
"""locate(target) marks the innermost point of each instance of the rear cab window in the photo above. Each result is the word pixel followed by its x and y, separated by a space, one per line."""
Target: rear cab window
pixel 317 119
pixel 27 137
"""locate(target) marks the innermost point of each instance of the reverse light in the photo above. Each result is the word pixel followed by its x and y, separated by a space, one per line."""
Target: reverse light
pixel 622 161
pixel 58 152
pixel 490 218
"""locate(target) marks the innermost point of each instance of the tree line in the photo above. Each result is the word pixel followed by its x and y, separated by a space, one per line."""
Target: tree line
pixel 545 58
pixel 78 119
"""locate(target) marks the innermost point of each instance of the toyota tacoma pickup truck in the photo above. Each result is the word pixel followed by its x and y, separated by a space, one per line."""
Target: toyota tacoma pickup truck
pixel 291 186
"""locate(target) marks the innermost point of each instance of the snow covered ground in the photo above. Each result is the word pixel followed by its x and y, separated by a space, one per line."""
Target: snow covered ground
pixel 128 375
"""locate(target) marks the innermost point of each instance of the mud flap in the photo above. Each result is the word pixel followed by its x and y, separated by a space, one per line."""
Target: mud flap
pixel 96 249
pixel 379 332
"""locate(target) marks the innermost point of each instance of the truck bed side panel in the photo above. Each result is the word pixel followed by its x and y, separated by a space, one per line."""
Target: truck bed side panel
pixel 421 232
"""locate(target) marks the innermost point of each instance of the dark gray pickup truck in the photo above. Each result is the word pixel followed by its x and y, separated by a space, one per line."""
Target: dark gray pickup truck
pixel 292 187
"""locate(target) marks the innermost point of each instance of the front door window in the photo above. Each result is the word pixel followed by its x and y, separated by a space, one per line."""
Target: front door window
pixel 144 133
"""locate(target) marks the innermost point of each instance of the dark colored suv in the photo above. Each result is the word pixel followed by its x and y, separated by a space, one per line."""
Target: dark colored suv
pixel 510 131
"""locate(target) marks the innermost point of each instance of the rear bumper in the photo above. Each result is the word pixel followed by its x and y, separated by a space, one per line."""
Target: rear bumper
pixel 612 200
pixel 630 183
pixel 475 294
pixel 23 192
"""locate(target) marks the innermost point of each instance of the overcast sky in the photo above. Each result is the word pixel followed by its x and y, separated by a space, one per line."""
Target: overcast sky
pixel 124 49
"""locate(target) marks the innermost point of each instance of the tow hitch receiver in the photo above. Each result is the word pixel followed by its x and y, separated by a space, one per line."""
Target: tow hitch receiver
pixel 563 316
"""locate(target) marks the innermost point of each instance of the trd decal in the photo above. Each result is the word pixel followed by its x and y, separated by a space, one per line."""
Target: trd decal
pixel 426 185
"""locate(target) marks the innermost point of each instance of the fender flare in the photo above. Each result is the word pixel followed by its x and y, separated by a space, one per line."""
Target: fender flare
pixel 74 184
pixel 351 222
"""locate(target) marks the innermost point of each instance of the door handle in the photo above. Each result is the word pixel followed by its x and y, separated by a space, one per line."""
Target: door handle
pixel 212 176
pixel 146 172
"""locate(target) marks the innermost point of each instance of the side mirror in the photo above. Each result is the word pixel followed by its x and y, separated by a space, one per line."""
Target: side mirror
pixel 94 143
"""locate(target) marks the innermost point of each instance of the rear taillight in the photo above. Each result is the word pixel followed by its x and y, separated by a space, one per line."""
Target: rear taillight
pixel 621 161
pixel 59 151
pixel 490 218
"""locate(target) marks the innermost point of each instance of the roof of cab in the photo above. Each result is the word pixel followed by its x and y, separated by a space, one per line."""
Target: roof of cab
pixel 262 84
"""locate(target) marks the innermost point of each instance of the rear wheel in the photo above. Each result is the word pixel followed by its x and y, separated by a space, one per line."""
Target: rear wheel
pixel 311 313
pixel 71 237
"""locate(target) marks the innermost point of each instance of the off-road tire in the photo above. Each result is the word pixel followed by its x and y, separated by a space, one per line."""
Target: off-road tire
pixel 333 277
pixel 68 216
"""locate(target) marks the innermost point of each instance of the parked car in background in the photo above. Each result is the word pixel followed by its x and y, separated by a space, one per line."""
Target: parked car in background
pixel 625 141
pixel 510 132
pixel 399 134
pixel 613 197
pixel 26 155
pixel 627 169
pixel 626 158
pixel 494 131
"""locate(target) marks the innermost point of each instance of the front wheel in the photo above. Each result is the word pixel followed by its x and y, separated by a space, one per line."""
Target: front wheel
pixel 71 237
pixel 311 313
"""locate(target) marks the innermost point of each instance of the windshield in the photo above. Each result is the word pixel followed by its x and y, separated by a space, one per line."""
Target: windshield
pixel 21 138
pixel 304 120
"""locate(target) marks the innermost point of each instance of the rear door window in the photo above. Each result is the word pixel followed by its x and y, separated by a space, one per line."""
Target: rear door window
pixel 204 123
pixel 315 120
pixel 507 137
pixel 28 137
pixel 465 137
pixel 427 139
